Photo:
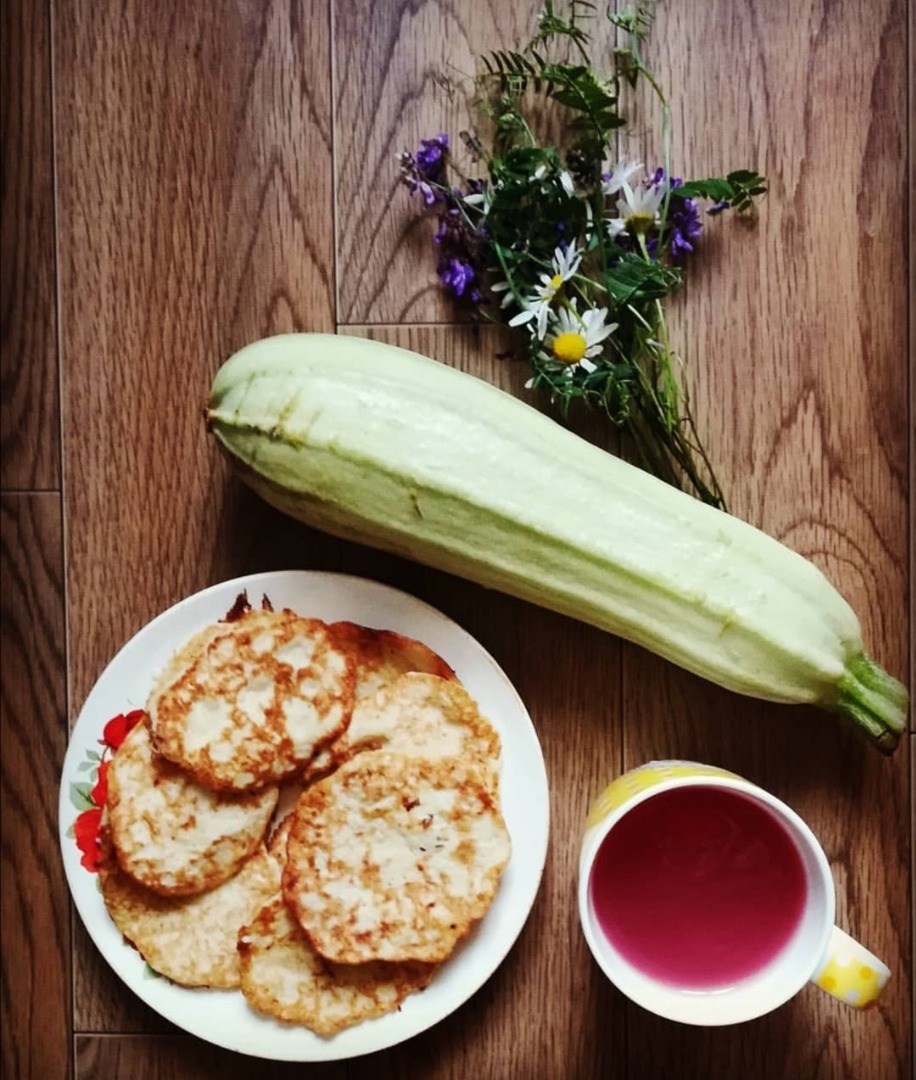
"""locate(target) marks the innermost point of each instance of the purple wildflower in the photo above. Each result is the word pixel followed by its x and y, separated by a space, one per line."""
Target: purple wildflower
pixel 429 196
pixel 457 275
pixel 426 172
pixel 413 178
pixel 459 243
pixel 685 226
pixel 718 207
pixel 441 230
pixel 431 157
pixel 457 238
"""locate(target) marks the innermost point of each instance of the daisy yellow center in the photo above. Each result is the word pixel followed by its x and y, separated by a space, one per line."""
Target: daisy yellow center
pixel 639 222
pixel 569 348
pixel 549 290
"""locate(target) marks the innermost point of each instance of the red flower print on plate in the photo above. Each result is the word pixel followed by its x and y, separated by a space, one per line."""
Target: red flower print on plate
pixel 118 728
pixel 89 796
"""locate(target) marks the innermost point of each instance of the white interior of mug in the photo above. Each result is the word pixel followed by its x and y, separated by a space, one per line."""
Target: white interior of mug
pixel 768 987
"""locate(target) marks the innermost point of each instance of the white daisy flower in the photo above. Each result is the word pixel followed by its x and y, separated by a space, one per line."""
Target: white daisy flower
pixel 536 308
pixel 565 263
pixel 614 227
pixel 638 208
pixel 535 312
pixel 574 339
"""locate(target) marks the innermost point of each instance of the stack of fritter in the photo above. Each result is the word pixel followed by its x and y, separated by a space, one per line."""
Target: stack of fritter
pixel 333 911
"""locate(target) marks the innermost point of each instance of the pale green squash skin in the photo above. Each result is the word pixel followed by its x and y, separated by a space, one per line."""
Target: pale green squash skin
pixel 376 444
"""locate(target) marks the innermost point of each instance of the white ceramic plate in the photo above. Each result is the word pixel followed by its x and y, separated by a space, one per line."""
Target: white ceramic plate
pixel 223 1017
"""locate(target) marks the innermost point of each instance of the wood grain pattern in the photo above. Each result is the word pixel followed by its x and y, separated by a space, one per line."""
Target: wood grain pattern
pixel 912 833
pixel 820 314
pixel 35 1006
pixel 229 171
pixel 29 414
pixel 146 1058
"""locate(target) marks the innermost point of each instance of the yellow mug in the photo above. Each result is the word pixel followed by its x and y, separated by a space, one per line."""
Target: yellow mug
pixel 623 862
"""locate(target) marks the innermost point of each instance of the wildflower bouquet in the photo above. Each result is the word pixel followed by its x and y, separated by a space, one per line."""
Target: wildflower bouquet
pixel 577 252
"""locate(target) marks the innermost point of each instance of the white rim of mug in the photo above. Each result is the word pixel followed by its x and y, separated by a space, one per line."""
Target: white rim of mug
pixel 695 1006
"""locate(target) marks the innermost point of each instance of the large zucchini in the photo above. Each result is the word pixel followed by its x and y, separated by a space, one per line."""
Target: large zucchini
pixel 383 446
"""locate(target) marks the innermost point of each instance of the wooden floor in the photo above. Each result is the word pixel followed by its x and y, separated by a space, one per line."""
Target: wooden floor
pixel 181 178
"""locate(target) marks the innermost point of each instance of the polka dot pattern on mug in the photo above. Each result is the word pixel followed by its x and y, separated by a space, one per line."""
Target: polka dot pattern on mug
pixel 851 973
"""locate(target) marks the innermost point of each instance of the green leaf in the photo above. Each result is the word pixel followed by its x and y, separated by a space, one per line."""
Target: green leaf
pixel 80 797
pixel 741 177
pixel 739 188
pixel 634 280
pixel 715 188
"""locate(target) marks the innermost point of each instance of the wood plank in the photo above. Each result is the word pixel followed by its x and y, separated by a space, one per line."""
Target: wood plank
pixel 29 409
pixel 148 1058
pixel 34 909
pixel 195 214
pixel 911 358
pixel 912 833
pixel 792 329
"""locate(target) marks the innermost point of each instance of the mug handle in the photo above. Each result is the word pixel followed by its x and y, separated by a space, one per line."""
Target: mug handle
pixel 850 972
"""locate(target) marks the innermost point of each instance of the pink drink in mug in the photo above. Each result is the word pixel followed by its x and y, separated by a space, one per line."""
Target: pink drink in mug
pixel 708 901
pixel 699 887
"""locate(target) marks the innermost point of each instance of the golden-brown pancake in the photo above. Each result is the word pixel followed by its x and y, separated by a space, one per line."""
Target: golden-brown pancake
pixel 394 858
pixel 247 703
pixel 283 976
pixel 172 835
pixel 191 940
pixel 423 716
pixel 381 656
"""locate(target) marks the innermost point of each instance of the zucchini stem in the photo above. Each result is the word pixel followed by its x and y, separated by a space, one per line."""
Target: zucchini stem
pixel 874 700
